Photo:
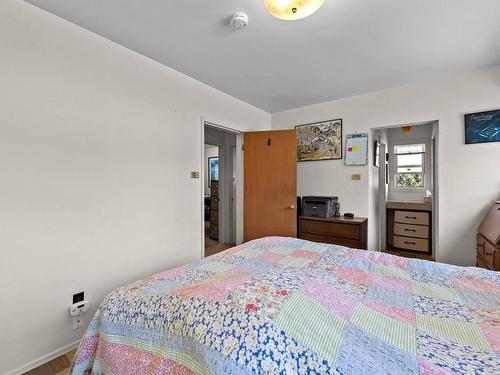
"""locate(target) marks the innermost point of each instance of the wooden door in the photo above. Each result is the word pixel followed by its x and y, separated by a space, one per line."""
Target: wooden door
pixel 270 184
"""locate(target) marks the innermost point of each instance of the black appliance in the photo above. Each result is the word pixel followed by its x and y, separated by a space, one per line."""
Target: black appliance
pixel 320 206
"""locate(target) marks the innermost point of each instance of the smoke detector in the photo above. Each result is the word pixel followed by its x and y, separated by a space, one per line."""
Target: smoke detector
pixel 238 21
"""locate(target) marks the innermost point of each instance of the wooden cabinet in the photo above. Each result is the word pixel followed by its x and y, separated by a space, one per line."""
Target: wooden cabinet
pixel 214 211
pixel 409 229
pixel 335 230
pixel 488 240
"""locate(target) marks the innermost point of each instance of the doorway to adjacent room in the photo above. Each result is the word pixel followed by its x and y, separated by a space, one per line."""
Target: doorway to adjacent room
pixel 407 189
pixel 220 179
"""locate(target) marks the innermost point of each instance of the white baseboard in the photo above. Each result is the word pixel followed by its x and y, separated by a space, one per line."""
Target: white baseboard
pixel 44 359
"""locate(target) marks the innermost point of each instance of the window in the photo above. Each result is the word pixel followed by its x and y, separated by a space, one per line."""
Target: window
pixel 409 166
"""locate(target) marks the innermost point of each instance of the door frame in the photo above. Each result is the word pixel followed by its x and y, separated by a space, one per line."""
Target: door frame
pixel 224 208
pixel 434 149
pixel 382 198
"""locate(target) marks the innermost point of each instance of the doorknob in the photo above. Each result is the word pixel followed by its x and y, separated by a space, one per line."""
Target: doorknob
pixel 292 207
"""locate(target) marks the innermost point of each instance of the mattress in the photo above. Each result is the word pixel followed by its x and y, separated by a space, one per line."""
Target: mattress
pixel 288 306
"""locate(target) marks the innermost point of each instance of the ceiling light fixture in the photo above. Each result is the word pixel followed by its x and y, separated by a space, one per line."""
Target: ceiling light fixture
pixel 291 10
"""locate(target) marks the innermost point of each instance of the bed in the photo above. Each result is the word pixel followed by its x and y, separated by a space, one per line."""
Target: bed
pixel 288 306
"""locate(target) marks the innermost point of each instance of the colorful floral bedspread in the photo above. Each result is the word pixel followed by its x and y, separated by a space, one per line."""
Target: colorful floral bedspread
pixel 288 306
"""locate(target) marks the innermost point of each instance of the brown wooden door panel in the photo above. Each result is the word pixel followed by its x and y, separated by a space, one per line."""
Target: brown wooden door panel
pixel 270 184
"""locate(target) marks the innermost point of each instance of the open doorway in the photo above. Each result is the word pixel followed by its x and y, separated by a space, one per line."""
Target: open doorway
pixel 220 180
pixel 407 161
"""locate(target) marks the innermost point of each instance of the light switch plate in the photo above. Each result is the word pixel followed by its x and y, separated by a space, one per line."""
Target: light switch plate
pixel 356 177
pixel 195 174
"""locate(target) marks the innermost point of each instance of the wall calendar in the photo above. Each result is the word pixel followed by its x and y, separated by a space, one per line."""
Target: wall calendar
pixel 356 149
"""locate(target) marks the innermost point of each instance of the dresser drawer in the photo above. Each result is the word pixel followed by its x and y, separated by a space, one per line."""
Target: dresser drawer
pixel 411 243
pixel 214 203
pixel 420 231
pixel 214 231
pixel 330 229
pixel 332 240
pixel 489 254
pixel 480 262
pixel 480 241
pixel 411 217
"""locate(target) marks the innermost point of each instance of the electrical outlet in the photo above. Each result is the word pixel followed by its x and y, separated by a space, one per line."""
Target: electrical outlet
pixel 195 174
pixel 77 322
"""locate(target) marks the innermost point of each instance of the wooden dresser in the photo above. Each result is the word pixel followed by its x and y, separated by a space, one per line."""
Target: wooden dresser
pixel 488 240
pixel 409 229
pixel 335 230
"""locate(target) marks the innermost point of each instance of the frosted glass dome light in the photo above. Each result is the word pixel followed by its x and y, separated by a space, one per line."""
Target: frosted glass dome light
pixel 292 9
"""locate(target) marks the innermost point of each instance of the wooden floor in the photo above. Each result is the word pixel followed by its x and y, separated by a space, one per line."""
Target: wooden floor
pixel 213 247
pixel 209 242
pixel 211 250
pixel 58 366
pixel 408 254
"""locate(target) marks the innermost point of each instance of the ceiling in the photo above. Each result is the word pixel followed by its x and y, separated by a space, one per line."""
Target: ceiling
pixel 348 47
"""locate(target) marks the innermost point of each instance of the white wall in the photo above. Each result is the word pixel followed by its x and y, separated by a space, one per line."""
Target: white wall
pixel 468 175
pixel 96 148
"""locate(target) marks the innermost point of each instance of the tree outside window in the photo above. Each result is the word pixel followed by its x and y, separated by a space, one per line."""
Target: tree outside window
pixel 409 166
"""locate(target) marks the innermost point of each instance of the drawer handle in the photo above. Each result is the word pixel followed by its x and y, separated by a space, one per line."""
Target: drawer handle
pixel 411 217
pixel 488 253
pixel 410 243
pixel 410 230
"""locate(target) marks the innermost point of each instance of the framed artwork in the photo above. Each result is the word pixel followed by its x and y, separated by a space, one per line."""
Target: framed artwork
pixel 319 141
pixel 376 154
pixel 482 127
pixel 213 170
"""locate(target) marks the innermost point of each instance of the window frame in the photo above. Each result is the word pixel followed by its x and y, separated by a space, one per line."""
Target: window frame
pixel 396 167
pixel 426 169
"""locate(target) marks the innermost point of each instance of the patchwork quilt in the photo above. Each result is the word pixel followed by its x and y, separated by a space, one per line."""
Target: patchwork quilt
pixel 287 306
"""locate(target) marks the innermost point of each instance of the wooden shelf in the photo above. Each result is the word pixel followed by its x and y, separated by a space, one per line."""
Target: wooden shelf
pixel 414 206
pixel 409 254
pixel 338 219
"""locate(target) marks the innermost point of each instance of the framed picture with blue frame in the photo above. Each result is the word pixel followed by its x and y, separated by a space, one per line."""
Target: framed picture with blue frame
pixel 481 127
pixel 213 170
